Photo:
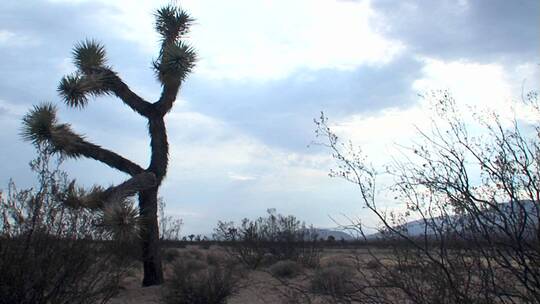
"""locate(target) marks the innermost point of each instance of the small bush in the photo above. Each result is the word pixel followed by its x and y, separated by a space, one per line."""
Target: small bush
pixel 334 280
pixel 205 245
pixel 170 254
pixel 285 269
pixel 268 239
pixel 41 269
pixel 373 264
pixel 194 253
pixel 216 257
pixel 53 253
pixel 194 282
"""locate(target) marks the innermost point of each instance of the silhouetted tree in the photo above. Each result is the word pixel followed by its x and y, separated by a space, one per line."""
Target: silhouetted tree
pixel 94 77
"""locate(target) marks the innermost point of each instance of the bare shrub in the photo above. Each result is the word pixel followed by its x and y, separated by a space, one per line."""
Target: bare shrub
pixel 286 269
pixel 474 205
pixel 219 257
pixel 49 252
pixel 194 282
pixel 170 254
pixel 372 264
pixel 335 281
pixel 170 227
pixel 269 239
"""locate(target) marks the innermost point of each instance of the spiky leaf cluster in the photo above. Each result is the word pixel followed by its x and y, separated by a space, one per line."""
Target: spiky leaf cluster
pixel 37 123
pixel 41 125
pixel 89 55
pixel 172 22
pixel 78 197
pixel 93 77
pixel 75 88
pixel 122 220
pixel 177 60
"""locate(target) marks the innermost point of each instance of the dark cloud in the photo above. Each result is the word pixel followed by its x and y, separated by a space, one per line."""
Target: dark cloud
pixel 480 30
pixel 281 112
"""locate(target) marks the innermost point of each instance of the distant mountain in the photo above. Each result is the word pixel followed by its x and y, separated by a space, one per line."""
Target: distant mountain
pixel 526 211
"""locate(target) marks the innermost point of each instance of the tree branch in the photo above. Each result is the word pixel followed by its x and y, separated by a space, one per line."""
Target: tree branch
pixel 75 89
pixel 97 198
pixel 41 125
pixel 122 91
pixel 73 145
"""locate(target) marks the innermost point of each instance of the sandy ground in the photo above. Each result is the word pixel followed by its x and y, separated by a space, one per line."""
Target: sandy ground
pixel 257 287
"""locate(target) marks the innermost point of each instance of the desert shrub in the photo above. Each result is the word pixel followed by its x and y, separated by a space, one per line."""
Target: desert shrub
pixel 49 252
pixel 336 281
pixel 50 270
pixel 285 269
pixel 219 257
pixel 170 227
pixel 194 253
pixel 372 264
pixel 194 282
pixel 338 260
pixel 269 239
pixel 470 228
pixel 170 254
pixel 205 245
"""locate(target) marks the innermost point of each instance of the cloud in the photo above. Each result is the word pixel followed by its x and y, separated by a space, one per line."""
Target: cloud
pixel 11 39
pixel 281 112
pixel 240 177
pixel 265 39
pixel 239 131
pixel 480 30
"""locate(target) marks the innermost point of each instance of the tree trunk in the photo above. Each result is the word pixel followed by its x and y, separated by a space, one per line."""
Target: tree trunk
pixel 153 272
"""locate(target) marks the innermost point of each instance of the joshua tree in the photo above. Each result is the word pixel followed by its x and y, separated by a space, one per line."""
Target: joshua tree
pixel 95 78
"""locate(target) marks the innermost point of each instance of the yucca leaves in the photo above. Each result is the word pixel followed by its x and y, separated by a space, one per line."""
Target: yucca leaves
pixel 37 124
pixel 91 79
pixel 122 220
pixel 89 55
pixel 75 88
pixel 73 91
pixel 176 61
pixel 176 58
pixel 78 197
pixel 41 125
pixel 172 22
pixel 119 217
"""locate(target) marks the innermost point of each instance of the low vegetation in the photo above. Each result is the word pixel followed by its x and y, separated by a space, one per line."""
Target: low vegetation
pixel 286 269
pixel 266 240
pixel 50 252
pixel 194 281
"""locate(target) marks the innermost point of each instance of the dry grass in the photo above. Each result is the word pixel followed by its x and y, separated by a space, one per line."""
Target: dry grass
pixel 254 287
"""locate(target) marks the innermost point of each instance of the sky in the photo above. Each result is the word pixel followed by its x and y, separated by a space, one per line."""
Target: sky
pixel 241 127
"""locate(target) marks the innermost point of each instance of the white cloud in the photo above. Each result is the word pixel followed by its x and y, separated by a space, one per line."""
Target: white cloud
pixel 241 177
pixel 12 39
pixel 475 87
pixel 482 87
pixel 488 88
pixel 246 39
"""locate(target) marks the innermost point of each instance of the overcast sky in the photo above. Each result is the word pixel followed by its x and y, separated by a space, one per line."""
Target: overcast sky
pixel 241 125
